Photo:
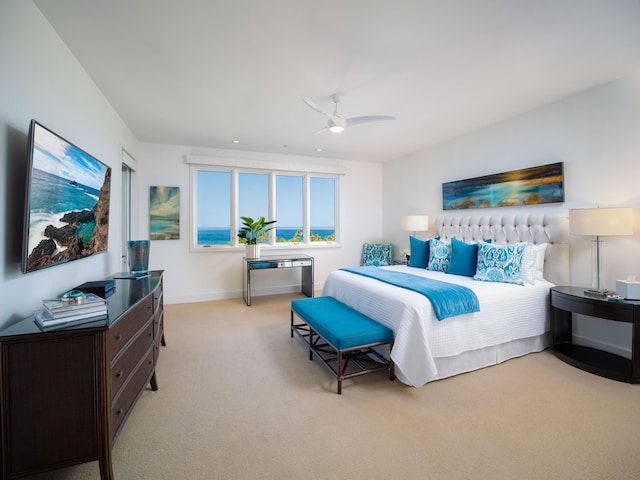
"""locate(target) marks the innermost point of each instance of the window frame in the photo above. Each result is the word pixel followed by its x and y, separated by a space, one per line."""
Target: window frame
pixel 235 172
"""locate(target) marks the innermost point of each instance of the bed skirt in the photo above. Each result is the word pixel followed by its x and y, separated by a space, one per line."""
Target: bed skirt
pixel 488 356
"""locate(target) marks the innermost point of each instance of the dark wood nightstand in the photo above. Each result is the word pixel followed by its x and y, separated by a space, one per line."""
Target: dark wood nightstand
pixel 568 300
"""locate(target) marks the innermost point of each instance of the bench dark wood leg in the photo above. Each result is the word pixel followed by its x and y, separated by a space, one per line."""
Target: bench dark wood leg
pixel 340 372
pixel 310 343
pixel 392 366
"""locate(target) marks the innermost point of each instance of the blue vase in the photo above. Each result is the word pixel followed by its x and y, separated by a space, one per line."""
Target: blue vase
pixel 139 256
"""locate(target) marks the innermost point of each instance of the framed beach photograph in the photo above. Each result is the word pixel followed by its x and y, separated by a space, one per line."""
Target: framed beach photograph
pixel 164 213
pixel 527 186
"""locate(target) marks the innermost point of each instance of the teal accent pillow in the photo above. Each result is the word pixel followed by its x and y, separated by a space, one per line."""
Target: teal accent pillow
pixel 439 255
pixel 464 258
pixel 377 254
pixel 419 256
pixel 499 263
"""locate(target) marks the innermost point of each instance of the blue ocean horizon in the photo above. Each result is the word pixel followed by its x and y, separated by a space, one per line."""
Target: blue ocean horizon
pixel 222 236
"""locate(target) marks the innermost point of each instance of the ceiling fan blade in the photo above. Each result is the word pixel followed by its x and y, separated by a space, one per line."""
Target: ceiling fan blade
pixel 367 119
pixel 313 106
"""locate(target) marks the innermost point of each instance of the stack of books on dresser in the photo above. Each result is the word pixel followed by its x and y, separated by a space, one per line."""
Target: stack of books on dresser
pixel 61 313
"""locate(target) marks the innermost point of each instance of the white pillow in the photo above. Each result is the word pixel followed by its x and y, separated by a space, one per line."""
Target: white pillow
pixel 532 268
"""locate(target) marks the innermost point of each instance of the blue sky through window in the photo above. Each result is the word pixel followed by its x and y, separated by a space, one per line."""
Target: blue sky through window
pixel 322 202
pixel 289 212
pixel 214 199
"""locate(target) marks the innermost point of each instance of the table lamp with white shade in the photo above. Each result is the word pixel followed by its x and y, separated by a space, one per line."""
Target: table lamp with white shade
pixel 414 223
pixel 600 222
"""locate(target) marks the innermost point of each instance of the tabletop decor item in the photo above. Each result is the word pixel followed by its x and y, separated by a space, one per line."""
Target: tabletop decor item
pixel 252 232
pixel 139 256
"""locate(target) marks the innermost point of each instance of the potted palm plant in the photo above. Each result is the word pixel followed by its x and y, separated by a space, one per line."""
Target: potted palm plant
pixel 252 231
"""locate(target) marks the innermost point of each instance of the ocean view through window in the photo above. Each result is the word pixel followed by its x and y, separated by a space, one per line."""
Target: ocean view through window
pixel 221 236
pixel 221 197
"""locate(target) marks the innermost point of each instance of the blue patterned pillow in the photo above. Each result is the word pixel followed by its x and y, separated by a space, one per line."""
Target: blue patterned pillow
pixel 419 252
pixel 439 255
pixel 377 254
pixel 499 263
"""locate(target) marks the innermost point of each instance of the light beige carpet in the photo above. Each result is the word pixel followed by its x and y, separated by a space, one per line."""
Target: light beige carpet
pixel 239 399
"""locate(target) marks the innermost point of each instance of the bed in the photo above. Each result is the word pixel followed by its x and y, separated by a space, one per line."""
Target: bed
pixel 513 319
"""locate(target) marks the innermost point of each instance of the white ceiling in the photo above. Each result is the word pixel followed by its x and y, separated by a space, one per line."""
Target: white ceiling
pixel 206 72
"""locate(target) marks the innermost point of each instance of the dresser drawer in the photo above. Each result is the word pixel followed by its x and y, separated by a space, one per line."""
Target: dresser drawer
pixel 128 324
pixel 127 362
pixel 157 297
pixel 123 402
pixel 158 321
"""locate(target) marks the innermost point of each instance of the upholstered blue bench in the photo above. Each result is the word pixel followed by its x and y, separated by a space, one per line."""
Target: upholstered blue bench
pixel 336 333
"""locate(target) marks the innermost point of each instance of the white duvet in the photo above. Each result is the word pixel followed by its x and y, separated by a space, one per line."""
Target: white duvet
pixel 507 312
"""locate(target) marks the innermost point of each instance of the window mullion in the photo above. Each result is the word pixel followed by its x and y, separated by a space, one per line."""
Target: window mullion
pixel 272 206
pixel 306 209
pixel 234 207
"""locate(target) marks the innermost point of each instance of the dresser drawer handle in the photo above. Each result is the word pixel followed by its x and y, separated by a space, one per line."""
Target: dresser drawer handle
pixel 118 375
pixel 119 336
pixel 119 411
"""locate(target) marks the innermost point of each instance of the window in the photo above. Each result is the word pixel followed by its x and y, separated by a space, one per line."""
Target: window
pixel 253 197
pixel 213 204
pixel 322 197
pixel 303 204
pixel 289 208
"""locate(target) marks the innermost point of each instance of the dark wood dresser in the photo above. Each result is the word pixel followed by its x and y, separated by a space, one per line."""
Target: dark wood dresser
pixel 66 394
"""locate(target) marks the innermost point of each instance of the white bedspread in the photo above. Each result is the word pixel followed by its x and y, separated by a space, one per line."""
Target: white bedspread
pixel 507 312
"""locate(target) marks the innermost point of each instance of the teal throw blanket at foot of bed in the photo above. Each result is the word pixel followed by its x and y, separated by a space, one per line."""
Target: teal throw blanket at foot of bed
pixel 448 299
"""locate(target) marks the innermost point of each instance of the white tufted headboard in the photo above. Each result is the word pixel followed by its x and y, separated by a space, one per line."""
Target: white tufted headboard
pixel 542 228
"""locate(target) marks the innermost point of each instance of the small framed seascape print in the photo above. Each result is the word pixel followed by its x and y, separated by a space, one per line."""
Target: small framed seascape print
pixel 164 213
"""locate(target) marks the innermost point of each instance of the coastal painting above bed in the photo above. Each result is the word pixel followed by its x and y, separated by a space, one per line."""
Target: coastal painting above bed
pixel 527 186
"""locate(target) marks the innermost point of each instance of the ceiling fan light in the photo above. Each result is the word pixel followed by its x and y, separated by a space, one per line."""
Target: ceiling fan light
pixel 336 124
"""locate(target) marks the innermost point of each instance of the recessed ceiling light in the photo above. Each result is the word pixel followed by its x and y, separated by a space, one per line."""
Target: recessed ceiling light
pixel 236 141
pixel 318 149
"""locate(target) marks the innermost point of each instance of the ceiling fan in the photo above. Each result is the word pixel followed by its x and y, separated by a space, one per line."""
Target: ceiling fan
pixel 337 123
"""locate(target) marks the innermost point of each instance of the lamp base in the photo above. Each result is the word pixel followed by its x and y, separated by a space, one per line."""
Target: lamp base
pixel 602 293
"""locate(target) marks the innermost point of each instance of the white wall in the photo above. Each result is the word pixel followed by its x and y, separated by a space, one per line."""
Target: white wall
pixel 596 133
pixel 201 276
pixel 41 79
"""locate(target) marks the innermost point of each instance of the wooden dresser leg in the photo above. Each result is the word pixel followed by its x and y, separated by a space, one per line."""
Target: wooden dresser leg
pixel 154 382
pixel 106 467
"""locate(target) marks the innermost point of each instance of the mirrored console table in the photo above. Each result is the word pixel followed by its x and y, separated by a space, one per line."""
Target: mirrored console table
pixel 303 262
